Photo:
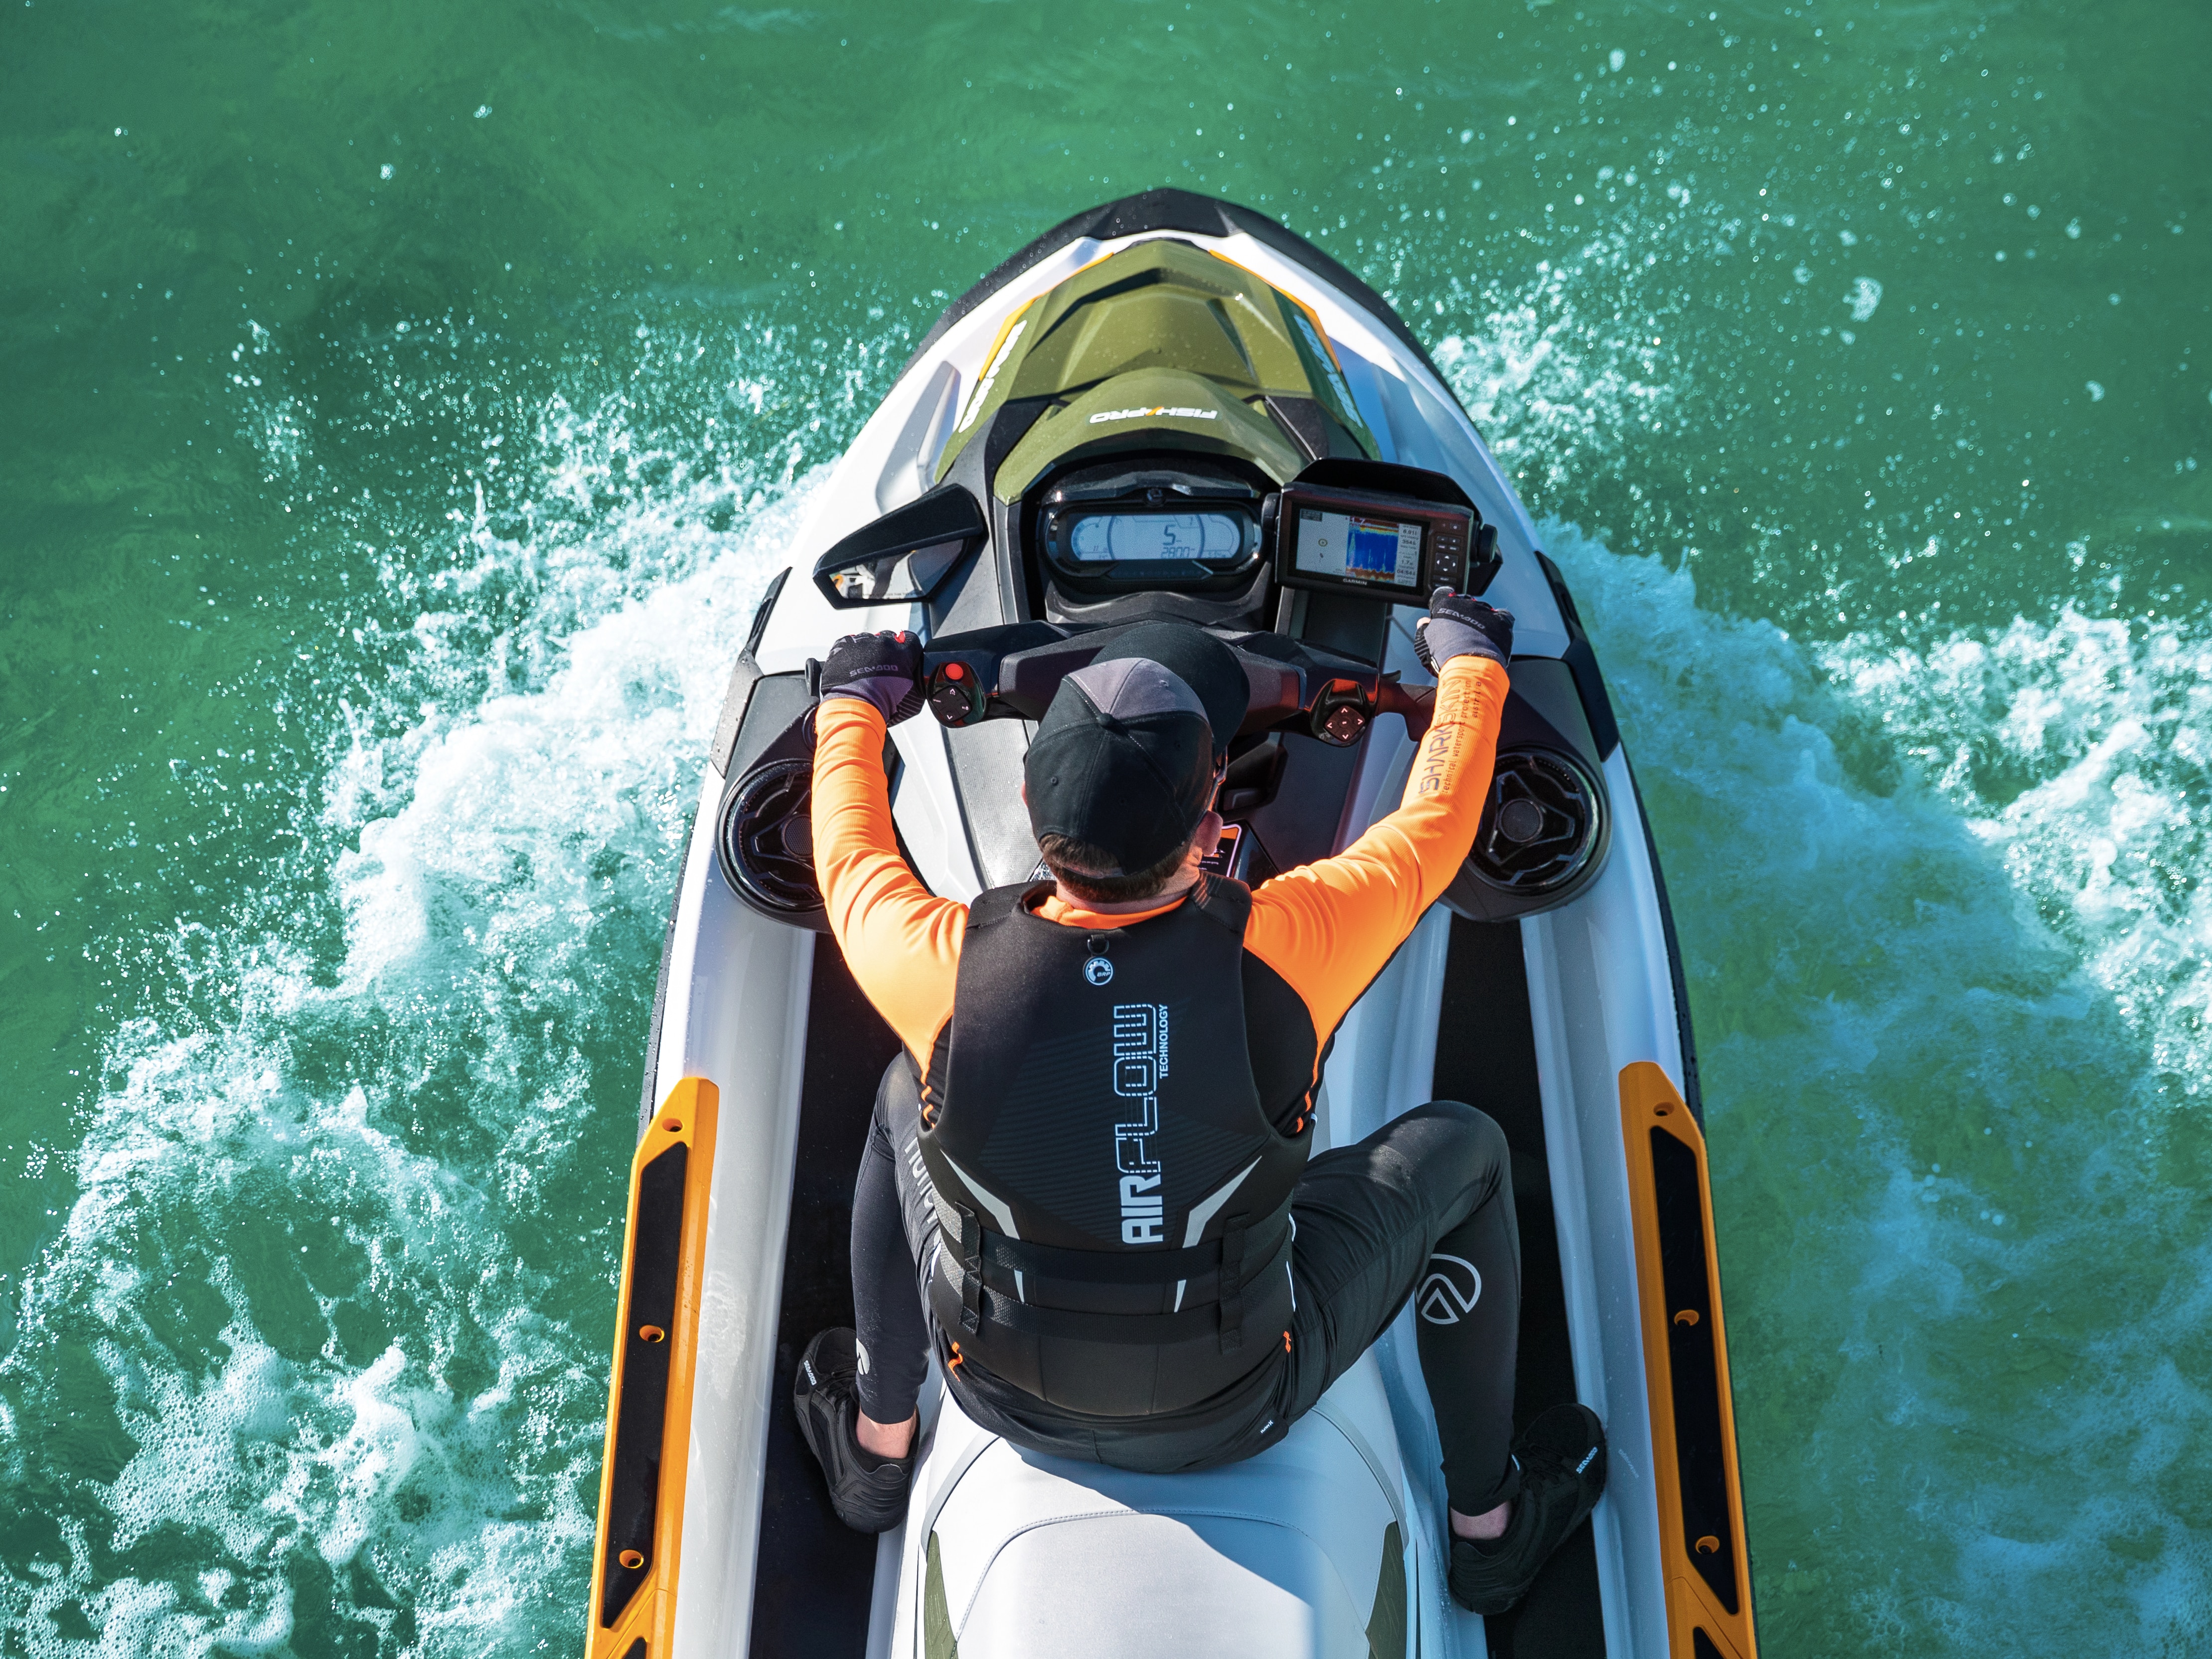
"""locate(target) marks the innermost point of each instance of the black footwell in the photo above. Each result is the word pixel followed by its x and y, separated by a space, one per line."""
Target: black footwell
pixel 1487 1056
pixel 814 1576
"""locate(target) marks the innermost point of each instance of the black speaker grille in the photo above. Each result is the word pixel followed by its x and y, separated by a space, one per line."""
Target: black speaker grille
pixel 767 837
pixel 1541 824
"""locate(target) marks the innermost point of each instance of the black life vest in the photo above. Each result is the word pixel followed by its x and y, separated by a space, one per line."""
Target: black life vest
pixel 1113 1203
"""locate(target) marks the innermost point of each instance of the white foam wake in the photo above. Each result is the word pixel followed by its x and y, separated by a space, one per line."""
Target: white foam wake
pixel 1947 950
pixel 321 1266
pixel 2077 747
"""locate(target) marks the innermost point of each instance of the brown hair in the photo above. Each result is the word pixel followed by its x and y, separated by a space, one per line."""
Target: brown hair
pixel 1072 862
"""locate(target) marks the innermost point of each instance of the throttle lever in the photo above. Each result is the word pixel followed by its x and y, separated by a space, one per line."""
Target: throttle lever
pixel 1415 704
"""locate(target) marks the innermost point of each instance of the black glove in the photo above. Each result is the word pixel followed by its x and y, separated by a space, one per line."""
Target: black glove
pixel 1461 625
pixel 884 670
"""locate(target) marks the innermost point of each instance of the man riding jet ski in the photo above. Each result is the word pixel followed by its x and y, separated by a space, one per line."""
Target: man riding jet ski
pixel 1155 1148
pixel 1092 1157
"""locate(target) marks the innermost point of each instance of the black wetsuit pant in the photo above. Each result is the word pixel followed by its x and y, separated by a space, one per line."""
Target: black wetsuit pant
pixel 1422 1208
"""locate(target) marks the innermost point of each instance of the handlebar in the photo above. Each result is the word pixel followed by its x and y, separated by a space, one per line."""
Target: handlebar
pixel 1012 673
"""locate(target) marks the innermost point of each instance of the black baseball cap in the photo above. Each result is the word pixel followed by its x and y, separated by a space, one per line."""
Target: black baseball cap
pixel 1127 754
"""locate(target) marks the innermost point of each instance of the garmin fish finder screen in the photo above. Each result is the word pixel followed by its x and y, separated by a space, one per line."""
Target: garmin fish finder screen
pixel 1352 546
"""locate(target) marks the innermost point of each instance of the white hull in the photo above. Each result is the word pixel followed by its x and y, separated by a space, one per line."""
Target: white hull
pixel 1300 1528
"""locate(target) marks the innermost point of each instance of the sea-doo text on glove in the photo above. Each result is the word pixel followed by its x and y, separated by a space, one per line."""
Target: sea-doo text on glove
pixel 882 669
pixel 1461 625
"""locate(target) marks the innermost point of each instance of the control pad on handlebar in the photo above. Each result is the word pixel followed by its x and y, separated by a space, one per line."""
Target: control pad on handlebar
pixel 956 694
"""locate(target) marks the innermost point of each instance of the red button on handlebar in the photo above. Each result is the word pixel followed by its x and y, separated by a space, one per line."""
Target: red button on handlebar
pixel 954 671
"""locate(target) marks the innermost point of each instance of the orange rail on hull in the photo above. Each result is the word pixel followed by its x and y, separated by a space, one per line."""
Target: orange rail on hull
pixel 1703 1549
pixel 658 1313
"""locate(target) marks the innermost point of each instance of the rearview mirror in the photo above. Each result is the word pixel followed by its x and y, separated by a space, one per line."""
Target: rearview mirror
pixel 904 557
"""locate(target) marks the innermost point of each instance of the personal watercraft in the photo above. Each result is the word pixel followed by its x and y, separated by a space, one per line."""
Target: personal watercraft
pixel 1172 406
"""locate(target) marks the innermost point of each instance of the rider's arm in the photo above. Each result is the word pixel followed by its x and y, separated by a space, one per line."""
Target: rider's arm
pixel 1329 928
pixel 901 941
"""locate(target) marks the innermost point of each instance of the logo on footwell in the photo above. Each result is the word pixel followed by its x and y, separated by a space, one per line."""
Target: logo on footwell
pixel 1450 1290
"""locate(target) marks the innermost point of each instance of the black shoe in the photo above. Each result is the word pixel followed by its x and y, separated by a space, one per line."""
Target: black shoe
pixel 1562 1458
pixel 867 1491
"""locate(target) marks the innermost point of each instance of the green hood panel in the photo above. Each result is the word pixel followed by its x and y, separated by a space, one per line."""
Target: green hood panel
pixel 1170 326
pixel 1150 409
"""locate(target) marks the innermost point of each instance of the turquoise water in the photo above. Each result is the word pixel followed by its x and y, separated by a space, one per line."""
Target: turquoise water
pixel 404 409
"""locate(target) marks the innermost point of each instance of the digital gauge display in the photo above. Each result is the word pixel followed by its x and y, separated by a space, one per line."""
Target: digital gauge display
pixel 1115 538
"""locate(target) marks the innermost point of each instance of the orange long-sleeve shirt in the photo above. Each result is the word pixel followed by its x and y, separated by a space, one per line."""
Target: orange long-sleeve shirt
pixel 1327 928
